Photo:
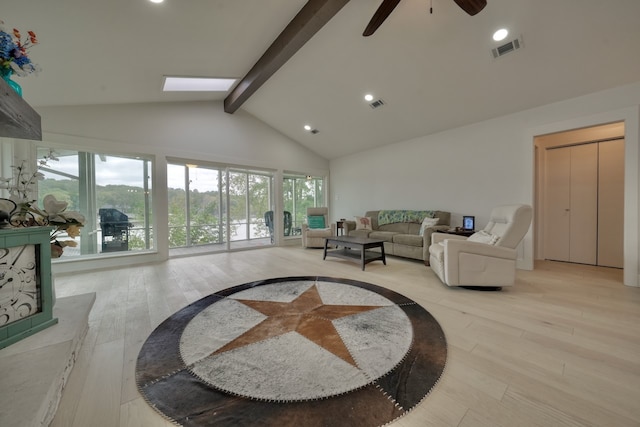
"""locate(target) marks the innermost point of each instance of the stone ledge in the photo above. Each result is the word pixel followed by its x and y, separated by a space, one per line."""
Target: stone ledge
pixel 35 370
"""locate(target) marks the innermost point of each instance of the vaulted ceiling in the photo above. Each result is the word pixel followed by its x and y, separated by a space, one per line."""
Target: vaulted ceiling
pixel 433 71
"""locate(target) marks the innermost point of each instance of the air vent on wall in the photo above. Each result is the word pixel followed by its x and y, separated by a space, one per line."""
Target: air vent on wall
pixel 377 104
pixel 508 47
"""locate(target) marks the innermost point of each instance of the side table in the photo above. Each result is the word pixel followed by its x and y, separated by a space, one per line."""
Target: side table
pixel 458 232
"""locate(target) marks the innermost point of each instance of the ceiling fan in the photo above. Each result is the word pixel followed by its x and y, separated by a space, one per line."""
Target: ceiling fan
pixel 470 6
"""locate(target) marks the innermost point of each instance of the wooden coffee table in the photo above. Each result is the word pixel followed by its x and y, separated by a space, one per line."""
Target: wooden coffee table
pixel 355 249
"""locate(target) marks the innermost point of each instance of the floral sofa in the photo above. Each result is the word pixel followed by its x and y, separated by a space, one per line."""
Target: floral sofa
pixel 402 230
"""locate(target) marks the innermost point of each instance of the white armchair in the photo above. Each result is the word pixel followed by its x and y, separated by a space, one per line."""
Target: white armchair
pixel 315 237
pixel 486 259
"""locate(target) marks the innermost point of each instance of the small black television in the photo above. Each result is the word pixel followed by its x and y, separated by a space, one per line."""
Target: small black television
pixel 468 222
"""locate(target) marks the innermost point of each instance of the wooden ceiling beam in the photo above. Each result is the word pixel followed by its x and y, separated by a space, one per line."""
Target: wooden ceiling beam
pixel 313 16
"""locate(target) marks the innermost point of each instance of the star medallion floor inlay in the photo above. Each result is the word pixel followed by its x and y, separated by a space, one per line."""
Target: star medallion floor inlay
pixel 262 346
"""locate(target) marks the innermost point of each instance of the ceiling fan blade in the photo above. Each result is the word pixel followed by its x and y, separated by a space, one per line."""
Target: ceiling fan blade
pixel 471 6
pixel 381 14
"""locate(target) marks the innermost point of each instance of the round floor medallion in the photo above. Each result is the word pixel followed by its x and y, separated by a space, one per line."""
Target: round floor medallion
pixel 293 351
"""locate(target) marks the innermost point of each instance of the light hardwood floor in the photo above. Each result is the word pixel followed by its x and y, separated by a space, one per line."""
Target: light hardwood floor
pixel 561 348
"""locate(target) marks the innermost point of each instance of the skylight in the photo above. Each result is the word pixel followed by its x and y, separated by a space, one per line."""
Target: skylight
pixel 196 84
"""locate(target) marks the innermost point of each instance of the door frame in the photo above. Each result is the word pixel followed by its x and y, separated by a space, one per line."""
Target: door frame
pixel 631 118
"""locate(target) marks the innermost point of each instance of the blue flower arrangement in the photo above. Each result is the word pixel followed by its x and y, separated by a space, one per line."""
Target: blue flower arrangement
pixel 14 50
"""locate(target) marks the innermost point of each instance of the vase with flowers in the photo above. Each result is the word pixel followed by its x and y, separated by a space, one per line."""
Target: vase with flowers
pixel 14 55
pixel 21 210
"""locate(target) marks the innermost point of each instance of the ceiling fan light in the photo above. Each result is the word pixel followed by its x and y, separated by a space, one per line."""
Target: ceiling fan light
pixel 501 34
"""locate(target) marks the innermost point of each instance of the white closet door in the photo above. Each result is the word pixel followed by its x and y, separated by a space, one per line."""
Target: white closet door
pixel 611 203
pixel 584 204
pixel 557 204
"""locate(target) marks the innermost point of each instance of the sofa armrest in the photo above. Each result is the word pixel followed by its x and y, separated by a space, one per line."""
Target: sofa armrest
pixel 439 237
pixel 478 264
pixel 456 246
pixel 315 233
pixel 348 226
pixel 427 237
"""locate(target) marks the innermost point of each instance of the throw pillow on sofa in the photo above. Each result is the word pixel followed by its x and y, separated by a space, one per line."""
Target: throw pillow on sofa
pixel 426 223
pixel 484 237
pixel 363 223
pixel 316 221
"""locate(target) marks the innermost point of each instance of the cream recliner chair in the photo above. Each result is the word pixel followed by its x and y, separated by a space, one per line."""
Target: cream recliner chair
pixel 485 259
pixel 315 237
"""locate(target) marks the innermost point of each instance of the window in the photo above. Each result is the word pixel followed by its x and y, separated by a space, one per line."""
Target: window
pixel 300 193
pixel 113 192
pixel 222 207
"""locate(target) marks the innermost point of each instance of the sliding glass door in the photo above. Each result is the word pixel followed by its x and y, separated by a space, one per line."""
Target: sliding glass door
pixel 218 208
pixel 249 200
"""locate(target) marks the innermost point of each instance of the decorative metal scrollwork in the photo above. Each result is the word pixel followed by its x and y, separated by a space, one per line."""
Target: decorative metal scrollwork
pixel 11 214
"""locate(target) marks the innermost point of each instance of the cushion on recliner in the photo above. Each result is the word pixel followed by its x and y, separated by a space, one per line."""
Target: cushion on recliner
pixel 484 237
pixel 316 221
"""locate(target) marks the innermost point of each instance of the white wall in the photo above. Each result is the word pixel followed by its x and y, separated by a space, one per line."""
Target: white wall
pixel 199 130
pixel 471 169
pixel 190 130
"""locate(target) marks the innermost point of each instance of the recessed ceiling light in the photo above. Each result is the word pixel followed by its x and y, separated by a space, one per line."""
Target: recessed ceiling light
pixel 368 97
pixel 501 34
pixel 311 130
pixel 156 1
pixel 196 84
